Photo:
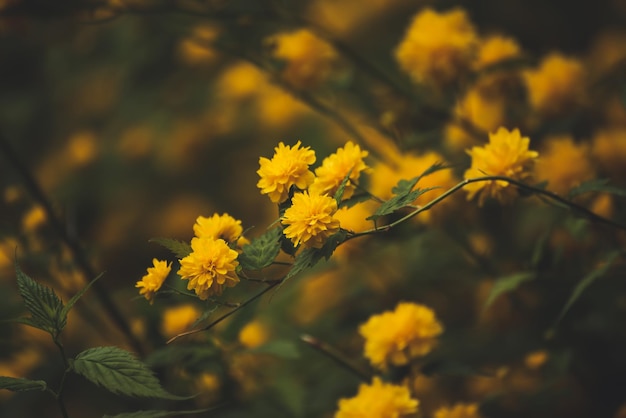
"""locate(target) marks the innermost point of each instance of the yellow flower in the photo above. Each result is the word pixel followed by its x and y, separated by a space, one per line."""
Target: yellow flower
pixel 557 85
pixel 395 337
pixel 459 410
pixel 495 49
pixel 437 46
pixel 288 167
pixel 336 167
pixel 609 148
pixel 310 219
pixel 506 154
pixel 34 218
pixel 253 334
pixel 178 319
pixel 485 112
pixel 210 267
pixel 564 164
pixel 378 400
pixel 153 280
pixel 220 227
pixel 308 59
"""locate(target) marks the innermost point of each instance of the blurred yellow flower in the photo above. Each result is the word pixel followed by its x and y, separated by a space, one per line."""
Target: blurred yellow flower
pixel 437 46
pixel 336 167
pixel 309 221
pixel 495 49
pixel 536 359
pixel 378 400
pixel 34 218
pixel 395 337
pixel 564 164
pixel 288 167
pixel 178 319
pixel 609 149
pixel 197 49
pixel 153 280
pixel 309 60
pixel 506 154
pixel 210 267
pixel 557 85
pixel 220 227
pixel 459 410
pixel 253 334
pixel 485 112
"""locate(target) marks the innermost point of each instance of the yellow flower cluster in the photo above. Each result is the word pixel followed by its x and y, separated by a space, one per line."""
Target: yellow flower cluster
pixel 437 47
pixel 310 218
pixel 378 400
pixel 459 410
pixel 506 154
pixel 220 227
pixel 153 280
pixel 308 59
pixel 395 337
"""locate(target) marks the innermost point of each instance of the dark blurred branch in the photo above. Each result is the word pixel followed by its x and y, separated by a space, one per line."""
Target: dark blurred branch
pixel 73 245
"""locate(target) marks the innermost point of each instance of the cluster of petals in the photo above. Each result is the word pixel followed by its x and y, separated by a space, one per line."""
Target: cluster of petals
pixel 335 167
pixel 154 278
pixel 309 220
pixel 506 154
pixel 396 337
pixel 308 59
pixel 210 267
pixel 220 227
pixel 437 46
pixel 288 167
pixel 378 400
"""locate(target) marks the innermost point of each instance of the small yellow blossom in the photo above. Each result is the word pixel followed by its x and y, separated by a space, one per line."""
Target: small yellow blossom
pixel 34 218
pixel 437 46
pixel 178 319
pixel 459 410
pixel 220 227
pixel 557 85
pixel 253 334
pixel 309 60
pixel 210 267
pixel 309 221
pixel 288 167
pixel 495 49
pixel 485 112
pixel 378 400
pixel 536 359
pixel 506 154
pixel 153 280
pixel 609 149
pixel 564 164
pixel 395 337
pixel 336 167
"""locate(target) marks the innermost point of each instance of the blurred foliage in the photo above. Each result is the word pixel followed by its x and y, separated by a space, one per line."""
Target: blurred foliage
pixel 134 117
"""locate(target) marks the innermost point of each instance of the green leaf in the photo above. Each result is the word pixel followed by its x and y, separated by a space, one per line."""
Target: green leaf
pixel 43 304
pixel 262 251
pixel 342 188
pixel 119 372
pixel 307 258
pixel 180 249
pixel 156 414
pixel 399 201
pixel 332 243
pixel 70 304
pixel 17 384
pixel 278 348
pixel 598 185
pixel 507 284
pixel 586 282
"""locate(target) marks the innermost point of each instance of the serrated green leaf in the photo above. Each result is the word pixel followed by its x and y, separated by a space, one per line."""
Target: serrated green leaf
pixel 507 284
pixel 342 188
pixel 262 251
pixel 119 372
pixel 597 185
pixel 332 243
pixel 43 304
pixel 278 348
pixel 586 282
pixel 307 258
pixel 180 249
pixel 17 384
pixel 398 202
pixel 156 414
pixel 70 303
